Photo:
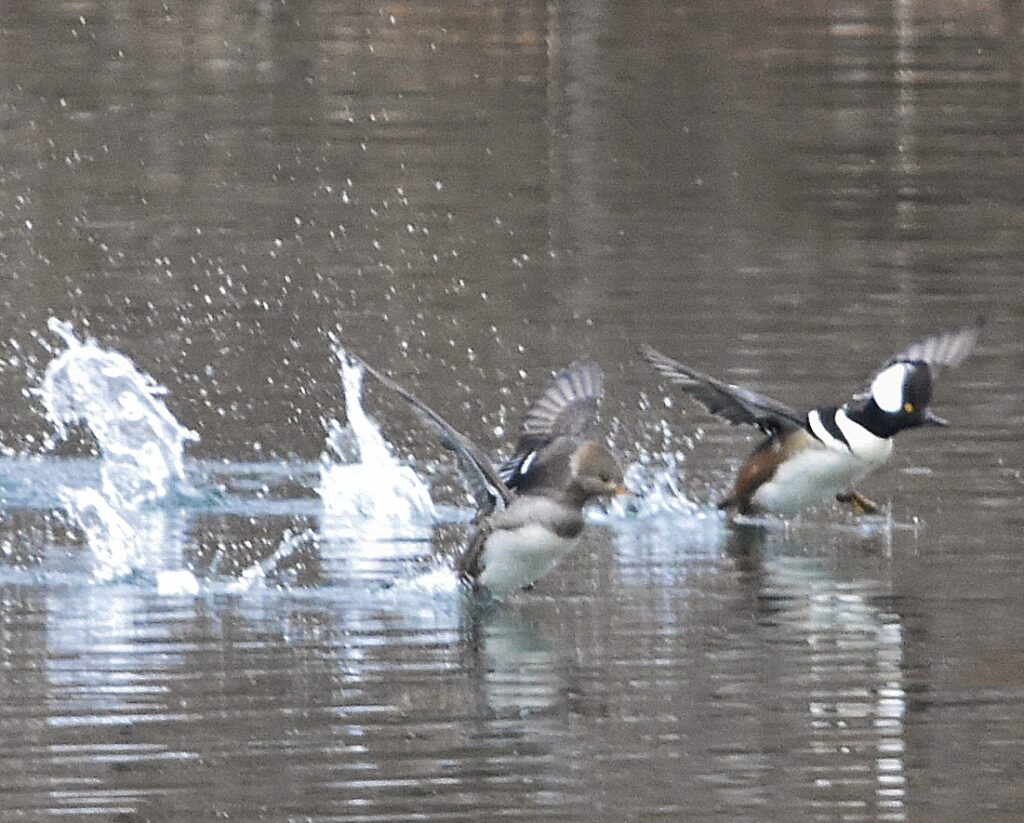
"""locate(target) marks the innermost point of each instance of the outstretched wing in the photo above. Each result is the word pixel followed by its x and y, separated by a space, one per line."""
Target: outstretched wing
pixel 735 404
pixel 485 481
pixel 945 349
pixel 468 563
pixel 566 410
pixel 568 405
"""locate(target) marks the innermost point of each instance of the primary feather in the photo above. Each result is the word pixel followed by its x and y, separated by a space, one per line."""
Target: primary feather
pixel 942 350
pixel 485 482
pixel 565 413
pixel 733 403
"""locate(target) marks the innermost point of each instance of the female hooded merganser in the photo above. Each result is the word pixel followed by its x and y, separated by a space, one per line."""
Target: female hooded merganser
pixel 556 469
pixel 809 458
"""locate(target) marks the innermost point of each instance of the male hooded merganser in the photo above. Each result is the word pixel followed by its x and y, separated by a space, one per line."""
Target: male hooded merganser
pixel 557 467
pixel 808 458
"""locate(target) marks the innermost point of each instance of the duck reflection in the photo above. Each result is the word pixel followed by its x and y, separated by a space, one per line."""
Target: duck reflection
pixel 834 642
pixel 517 665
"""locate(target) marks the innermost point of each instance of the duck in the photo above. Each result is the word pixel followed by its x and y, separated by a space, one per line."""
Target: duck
pixel 529 511
pixel 810 457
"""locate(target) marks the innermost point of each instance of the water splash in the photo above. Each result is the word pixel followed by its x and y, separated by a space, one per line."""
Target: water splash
pixel 140 442
pixel 114 543
pixel 653 478
pixel 176 583
pixel 362 484
pixel 261 571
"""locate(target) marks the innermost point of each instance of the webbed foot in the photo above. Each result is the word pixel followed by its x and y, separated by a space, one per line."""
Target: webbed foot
pixel 858 502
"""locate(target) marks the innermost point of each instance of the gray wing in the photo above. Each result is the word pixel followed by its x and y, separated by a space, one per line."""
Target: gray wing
pixel 568 405
pixel 734 403
pixel 945 349
pixel 468 563
pixel 565 411
pixel 483 477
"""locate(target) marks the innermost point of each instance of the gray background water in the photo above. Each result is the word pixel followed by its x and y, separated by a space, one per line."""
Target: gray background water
pixel 477 192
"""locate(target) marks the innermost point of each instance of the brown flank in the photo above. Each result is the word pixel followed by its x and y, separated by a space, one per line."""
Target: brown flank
pixel 761 467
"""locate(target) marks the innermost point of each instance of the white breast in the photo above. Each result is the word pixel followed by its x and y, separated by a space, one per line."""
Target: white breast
pixel 514 558
pixel 867 446
pixel 820 472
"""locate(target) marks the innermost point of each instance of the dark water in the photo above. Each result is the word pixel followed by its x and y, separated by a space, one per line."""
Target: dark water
pixel 475 192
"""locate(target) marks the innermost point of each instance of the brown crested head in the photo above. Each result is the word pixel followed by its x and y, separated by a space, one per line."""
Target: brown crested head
pixel 595 472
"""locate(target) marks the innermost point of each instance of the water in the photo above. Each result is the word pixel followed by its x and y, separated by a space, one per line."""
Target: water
pixel 140 442
pixel 140 445
pixel 476 195
pixel 361 481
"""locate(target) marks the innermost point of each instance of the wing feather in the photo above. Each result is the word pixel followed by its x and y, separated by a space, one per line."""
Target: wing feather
pixel 566 412
pixel 568 405
pixel 468 563
pixel 733 403
pixel 945 349
pixel 484 479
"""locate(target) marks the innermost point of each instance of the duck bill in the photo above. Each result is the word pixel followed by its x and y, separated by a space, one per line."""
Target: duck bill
pixel 932 419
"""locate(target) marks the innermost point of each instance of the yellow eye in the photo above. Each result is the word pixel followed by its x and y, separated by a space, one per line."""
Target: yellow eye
pixel 908 407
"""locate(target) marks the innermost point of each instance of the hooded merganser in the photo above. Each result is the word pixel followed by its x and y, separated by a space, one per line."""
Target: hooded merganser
pixel 808 458
pixel 556 469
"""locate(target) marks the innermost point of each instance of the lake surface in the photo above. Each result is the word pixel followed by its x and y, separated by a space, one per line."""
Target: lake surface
pixel 471 194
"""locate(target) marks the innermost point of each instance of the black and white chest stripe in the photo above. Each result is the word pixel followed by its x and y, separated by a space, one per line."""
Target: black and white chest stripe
pixel 836 430
pixel 821 423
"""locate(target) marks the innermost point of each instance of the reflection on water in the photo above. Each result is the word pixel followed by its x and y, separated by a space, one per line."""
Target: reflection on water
pixel 852 676
pixel 760 673
pixel 478 193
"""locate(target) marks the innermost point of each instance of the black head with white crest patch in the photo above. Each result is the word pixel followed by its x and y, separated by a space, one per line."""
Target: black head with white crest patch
pixel 899 398
pixel 901 392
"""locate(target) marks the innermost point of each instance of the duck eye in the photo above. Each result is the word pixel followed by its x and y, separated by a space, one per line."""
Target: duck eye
pixel 908 407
